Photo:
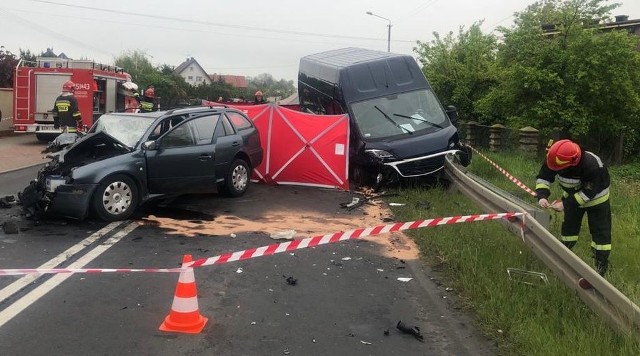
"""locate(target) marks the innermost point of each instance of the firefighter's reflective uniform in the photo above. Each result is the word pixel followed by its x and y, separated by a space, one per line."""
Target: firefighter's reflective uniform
pixel 585 190
pixel 148 101
pixel 65 112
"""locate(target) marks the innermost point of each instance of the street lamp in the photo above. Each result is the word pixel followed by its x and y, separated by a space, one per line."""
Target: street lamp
pixel 388 29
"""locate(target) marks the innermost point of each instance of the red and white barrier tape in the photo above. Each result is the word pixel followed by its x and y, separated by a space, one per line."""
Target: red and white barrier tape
pixel 278 248
pixel 341 236
pixel 507 174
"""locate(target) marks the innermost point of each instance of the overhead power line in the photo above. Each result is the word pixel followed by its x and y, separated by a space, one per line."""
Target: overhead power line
pixel 207 23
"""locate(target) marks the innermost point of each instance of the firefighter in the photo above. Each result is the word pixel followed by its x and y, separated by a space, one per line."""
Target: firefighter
pixel 259 99
pixel 148 101
pixel 585 183
pixel 65 110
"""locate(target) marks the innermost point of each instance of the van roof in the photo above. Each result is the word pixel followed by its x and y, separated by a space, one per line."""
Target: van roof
pixel 327 65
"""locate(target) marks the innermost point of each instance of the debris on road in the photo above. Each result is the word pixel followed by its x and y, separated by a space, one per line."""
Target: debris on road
pixel 404 279
pixel 6 201
pixel 366 198
pixel 291 281
pixel 415 331
pixel 397 204
pixel 11 227
pixel 366 342
pixel 283 235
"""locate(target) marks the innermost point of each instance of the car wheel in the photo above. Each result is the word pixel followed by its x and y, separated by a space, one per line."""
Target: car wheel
pixel 237 180
pixel 116 198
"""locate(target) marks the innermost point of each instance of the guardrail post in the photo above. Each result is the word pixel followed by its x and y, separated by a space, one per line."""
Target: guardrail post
pixel 496 137
pixel 529 139
pixel 472 133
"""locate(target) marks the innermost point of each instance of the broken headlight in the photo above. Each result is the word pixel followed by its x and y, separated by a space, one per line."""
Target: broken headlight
pixel 381 155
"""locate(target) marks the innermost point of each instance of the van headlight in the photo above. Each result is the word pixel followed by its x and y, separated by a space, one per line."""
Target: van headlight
pixel 381 154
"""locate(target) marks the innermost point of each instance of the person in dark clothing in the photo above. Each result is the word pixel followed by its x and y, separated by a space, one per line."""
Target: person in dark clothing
pixel 585 183
pixel 148 101
pixel 259 99
pixel 65 109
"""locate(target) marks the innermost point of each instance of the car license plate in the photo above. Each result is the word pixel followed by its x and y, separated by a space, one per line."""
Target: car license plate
pixel 47 128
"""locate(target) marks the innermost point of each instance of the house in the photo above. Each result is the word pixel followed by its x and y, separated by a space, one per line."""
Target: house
pixel 621 22
pixel 192 72
pixel 236 81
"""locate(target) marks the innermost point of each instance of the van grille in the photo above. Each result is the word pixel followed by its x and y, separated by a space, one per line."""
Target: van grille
pixel 421 167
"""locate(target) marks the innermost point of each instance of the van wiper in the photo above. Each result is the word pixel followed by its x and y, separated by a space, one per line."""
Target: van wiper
pixel 420 119
pixel 393 121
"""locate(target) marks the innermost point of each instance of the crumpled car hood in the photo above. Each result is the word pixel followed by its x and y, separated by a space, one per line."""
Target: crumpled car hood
pixel 92 147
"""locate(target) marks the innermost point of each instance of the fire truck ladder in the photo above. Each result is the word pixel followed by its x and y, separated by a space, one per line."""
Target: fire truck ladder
pixel 21 88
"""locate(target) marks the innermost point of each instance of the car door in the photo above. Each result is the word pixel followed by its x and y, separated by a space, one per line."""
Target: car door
pixel 183 159
pixel 228 142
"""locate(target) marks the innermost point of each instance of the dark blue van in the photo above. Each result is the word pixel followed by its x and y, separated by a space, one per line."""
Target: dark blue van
pixel 398 128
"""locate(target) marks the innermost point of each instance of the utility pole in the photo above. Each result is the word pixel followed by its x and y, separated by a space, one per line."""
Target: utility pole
pixel 388 29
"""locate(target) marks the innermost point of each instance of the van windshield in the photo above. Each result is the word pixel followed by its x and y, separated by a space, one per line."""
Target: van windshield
pixel 401 114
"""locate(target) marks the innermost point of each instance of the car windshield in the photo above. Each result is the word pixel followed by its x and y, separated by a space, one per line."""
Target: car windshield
pixel 401 114
pixel 127 129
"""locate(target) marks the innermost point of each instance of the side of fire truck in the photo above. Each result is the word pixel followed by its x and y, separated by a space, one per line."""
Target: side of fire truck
pixel 98 89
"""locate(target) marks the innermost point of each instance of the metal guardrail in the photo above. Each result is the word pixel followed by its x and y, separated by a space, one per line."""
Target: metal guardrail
pixel 602 297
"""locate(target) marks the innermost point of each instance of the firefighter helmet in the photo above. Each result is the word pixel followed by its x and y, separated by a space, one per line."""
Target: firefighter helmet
pixel 258 93
pixel 149 92
pixel 68 86
pixel 563 154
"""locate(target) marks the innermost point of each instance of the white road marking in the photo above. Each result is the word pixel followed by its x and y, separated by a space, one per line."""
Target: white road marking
pixel 14 287
pixel 21 304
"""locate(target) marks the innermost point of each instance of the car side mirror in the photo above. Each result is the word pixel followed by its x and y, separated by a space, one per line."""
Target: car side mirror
pixel 452 113
pixel 150 145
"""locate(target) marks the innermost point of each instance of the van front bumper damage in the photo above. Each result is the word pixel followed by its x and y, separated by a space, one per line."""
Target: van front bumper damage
pixel 420 166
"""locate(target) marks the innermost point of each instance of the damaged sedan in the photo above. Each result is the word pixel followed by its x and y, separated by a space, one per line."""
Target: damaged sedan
pixel 127 159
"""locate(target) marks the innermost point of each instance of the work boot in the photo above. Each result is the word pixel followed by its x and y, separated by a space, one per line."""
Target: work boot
pixel 601 261
pixel 602 267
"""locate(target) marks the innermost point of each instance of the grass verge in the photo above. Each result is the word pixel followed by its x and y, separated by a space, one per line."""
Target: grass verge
pixel 526 319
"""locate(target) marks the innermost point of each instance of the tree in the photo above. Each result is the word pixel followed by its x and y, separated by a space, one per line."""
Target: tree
pixel 170 88
pixel 8 62
pixel 570 75
pixel 269 86
pixel 461 70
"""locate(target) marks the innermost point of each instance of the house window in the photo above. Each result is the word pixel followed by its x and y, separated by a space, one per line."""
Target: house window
pixel 198 79
pixel 190 77
pixel 191 69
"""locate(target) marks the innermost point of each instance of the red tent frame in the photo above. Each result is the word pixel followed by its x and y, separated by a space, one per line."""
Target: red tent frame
pixel 300 148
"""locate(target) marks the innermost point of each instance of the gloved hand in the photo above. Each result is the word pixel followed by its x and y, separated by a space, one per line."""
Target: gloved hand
pixel 557 205
pixel 543 203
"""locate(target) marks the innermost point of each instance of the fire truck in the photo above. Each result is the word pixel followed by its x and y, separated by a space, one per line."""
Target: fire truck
pixel 98 89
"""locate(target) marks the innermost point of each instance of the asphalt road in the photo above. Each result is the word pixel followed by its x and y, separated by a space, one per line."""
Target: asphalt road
pixel 346 297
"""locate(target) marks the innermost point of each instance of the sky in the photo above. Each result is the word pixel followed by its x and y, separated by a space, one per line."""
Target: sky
pixel 243 37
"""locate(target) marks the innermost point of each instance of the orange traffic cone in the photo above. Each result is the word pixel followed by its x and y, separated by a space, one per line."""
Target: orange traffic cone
pixel 184 316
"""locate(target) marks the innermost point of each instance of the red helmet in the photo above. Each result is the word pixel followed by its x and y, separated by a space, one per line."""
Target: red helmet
pixel 563 154
pixel 149 92
pixel 68 86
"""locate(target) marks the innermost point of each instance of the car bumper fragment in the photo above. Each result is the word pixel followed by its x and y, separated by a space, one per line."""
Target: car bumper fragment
pixel 73 200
